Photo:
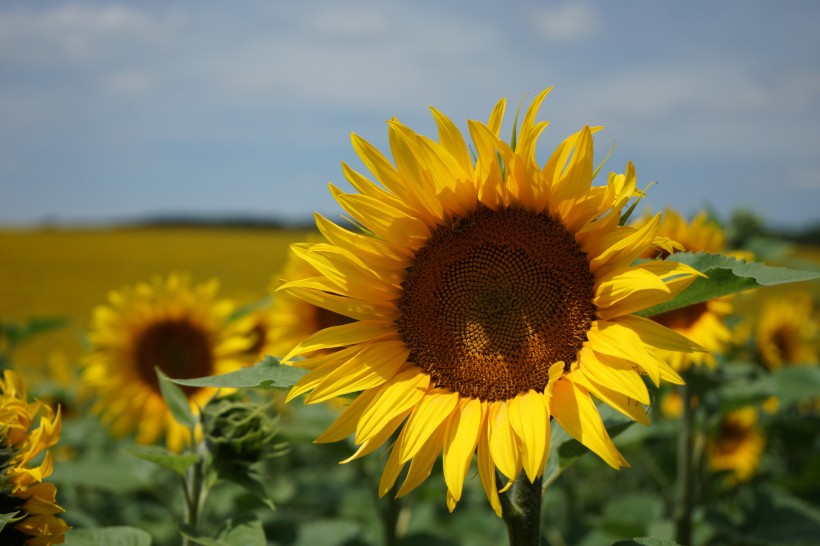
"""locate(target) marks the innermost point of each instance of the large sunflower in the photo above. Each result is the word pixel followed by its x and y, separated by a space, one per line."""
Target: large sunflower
pixel 703 322
pixel 488 294
pixel 24 495
pixel 736 445
pixel 168 324
pixel 787 331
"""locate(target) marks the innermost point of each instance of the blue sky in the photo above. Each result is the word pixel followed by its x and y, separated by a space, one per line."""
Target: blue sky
pixel 115 110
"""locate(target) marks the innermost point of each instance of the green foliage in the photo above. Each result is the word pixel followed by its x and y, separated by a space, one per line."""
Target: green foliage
pixel 725 275
pixel 244 532
pixel 239 432
pixel 268 373
pixel 178 463
pixel 109 536
pixel 646 541
pixel 176 400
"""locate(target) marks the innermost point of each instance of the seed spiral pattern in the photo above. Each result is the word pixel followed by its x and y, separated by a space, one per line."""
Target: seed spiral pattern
pixel 493 299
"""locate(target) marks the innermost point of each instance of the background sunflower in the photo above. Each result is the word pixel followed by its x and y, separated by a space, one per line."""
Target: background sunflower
pixel 167 324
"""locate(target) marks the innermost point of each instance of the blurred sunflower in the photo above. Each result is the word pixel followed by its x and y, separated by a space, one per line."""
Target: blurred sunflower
pixel 292 319
pixel 24 497
pixel 787 331
pixel 703 322
pixel 488 295
pixel 736 445
pixel 168 324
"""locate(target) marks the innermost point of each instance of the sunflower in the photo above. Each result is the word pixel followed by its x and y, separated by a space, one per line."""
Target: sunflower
pixel 292 319
pixel 703 322
pixel 787 332
pixel 488 295
pixel 736 445
pixel 169 324
pixel 24 495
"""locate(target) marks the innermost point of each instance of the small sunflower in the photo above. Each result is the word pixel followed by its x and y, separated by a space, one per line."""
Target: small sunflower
pixel 488 294
pixel 168 324
pixel 24 495
pixel 736 445
pixel 787 332
pixel 292 319
pixel 703 322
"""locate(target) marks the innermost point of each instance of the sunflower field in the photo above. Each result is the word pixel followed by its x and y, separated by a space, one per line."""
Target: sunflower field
pixel 483 350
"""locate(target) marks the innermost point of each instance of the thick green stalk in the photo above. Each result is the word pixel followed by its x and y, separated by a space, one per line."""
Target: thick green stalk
pixel 521 507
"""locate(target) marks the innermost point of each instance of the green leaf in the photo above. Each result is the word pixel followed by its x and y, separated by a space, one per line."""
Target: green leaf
pixel 267 373
pixel 116 474
pixel 176 400
pixel 244 532
pixel 725 275
pixel 108 536
pixel 244 478
pixel 175 462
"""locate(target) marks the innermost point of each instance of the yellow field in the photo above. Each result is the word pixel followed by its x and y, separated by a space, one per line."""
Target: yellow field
pixel 46 273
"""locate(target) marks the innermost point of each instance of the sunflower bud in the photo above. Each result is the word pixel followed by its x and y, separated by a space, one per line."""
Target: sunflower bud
pixel 239 432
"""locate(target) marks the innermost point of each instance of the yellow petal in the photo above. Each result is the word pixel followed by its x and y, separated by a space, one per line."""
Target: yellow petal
pixel 504 447
pixel 360 331
pixel 460 440
pixel 576 413
pixel 402 392
pixel 435 407
pixel 486 470
pixel 375 364
pixel 422 462
pixel 345 423
pixel 528 416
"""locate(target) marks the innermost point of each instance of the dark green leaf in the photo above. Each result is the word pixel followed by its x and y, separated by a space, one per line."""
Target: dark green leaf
pixel 780 518
pixel 267 373
pixel 725 275
pixel 108 536
pixel 175 462
pixel 176 400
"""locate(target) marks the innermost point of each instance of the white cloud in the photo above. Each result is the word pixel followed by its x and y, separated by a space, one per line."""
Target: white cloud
pixel 568 23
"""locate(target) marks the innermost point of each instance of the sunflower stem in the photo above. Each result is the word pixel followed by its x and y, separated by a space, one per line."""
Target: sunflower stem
pixel 522 511
pixel 686 449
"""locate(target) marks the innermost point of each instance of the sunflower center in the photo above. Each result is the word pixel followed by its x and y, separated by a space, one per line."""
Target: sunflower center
pixel 493 300
pixel 180 349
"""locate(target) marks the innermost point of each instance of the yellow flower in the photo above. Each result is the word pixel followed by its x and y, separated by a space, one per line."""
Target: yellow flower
pixel 787 331
pixel 26 430
pixel 488 294
pixel 292 319
pixel 168 324
pixel 736 445
pixel 703 322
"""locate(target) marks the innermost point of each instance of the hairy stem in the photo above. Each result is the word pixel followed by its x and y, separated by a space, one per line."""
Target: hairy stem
pixel 521 507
